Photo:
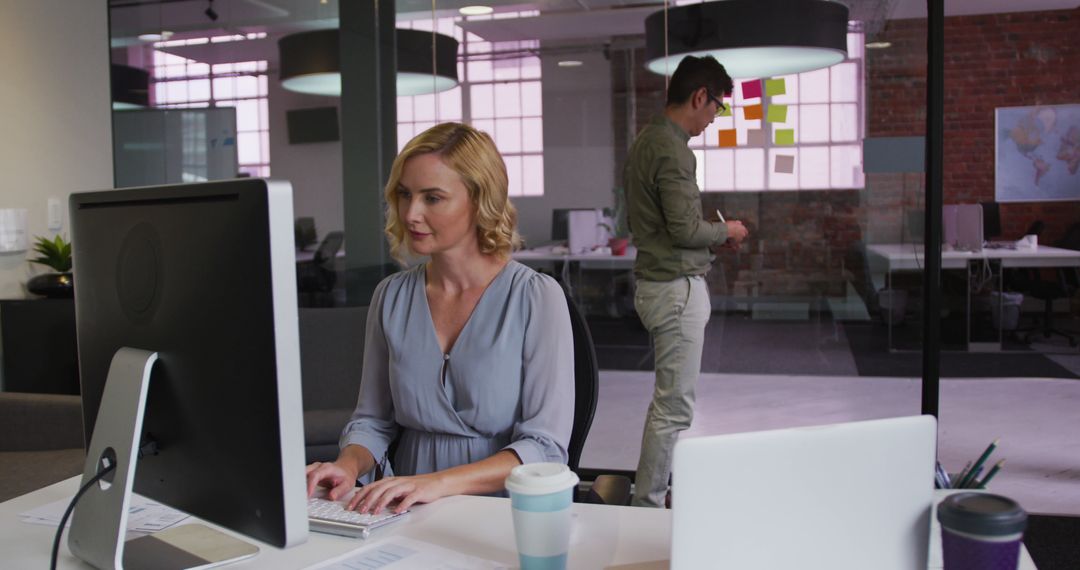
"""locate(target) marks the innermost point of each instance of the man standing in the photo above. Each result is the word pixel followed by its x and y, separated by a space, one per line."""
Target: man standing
pixel 673 241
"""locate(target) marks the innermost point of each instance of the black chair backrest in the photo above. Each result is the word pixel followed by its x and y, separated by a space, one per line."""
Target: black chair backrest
pixel 586 383
pixel 329 247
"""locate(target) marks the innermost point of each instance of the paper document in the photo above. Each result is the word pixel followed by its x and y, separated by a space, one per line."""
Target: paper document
pixel 400 553
pixel 144 515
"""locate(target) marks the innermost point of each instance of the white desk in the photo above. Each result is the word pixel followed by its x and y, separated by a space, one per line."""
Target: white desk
pixel 605 260
pixel 602 537
pixel 909 257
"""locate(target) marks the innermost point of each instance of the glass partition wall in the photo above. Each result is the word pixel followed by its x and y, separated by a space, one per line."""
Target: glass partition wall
pixel 817 318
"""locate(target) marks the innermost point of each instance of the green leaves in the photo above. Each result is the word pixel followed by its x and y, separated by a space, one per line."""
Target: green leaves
pixel 55 253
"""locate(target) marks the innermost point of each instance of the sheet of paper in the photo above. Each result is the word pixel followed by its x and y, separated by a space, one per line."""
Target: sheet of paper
pixel 755 138
pixel 777 114
pixel 728 138
pixel 785 164
pixel 751 89
pixel 752 112
pixel 400 553
pixel 774 87
pixel 144 515
pixel 785 137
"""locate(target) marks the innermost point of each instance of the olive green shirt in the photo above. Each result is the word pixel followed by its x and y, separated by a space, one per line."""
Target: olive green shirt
pixel 664 205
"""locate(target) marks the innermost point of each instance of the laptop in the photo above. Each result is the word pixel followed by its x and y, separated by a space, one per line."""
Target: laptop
pixel 845 496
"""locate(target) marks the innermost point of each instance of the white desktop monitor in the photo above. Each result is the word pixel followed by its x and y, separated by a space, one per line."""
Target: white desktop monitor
pixel 203 276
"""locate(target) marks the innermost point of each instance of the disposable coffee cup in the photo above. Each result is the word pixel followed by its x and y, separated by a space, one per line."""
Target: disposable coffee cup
pixel 980 531
pixel 540 498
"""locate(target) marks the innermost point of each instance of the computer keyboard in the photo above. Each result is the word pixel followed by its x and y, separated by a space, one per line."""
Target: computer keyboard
pixel 331 517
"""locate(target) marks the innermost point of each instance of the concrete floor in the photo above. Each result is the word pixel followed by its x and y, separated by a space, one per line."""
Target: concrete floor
pixel 1035 419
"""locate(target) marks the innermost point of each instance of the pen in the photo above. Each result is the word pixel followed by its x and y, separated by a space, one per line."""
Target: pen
pixel 990 475
pixel 960 475
pixel 721 216
pixel 973 479
pixel 978 463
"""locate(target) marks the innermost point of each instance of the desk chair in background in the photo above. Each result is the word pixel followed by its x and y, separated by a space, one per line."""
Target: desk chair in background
pixel 1064 284
pixel 315 279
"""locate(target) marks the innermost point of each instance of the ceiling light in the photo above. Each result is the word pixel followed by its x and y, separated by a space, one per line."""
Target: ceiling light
pixel 310 62
pixel 751 38
pixel 164 35
pixel 570 63
pixel 877 45
pixel 475 10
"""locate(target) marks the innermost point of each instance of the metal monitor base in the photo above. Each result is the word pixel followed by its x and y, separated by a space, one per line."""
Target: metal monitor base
pixel 99 522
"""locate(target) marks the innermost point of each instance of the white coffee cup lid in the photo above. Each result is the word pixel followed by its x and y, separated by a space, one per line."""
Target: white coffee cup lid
pixel 540 478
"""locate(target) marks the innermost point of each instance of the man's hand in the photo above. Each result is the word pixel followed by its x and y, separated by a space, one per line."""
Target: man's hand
pixel 736 233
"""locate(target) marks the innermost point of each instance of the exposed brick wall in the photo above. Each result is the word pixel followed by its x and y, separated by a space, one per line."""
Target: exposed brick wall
pixel 997 60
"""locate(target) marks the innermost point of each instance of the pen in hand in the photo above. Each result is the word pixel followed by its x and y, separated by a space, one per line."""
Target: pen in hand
pixel 721 216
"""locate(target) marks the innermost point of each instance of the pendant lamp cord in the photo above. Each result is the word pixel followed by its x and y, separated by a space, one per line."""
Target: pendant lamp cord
pixel 434 63
pixel 667 72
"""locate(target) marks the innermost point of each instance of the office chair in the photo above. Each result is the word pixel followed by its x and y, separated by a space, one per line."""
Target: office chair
pixel 1064 285
pixel 606 489
pixel 586 383
pixel 316 279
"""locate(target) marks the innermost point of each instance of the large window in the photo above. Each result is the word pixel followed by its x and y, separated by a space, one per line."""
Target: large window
pixel 825 111
pixel 500 93
pixel 179 82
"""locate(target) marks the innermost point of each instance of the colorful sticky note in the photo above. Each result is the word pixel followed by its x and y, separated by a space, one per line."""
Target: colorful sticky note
pixel 785 164
pixel 774 87
pixel 726 111
pixel 777 114
pixel 755 138
pixel 752 112
pixel 751 89
pixel 785 137
pixel 728 138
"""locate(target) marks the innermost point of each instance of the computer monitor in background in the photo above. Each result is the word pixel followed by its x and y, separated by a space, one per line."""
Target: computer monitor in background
pixel 203 276
pixel 305 233
pixel 560 223
pixel 991 220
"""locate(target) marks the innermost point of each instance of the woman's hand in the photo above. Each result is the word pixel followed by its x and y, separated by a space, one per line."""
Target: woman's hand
pixel 338 478
pixel 373 498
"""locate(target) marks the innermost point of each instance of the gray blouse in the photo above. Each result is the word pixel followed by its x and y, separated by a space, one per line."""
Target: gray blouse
pixel 507 382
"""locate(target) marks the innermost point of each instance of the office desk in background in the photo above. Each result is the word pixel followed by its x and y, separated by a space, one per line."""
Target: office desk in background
pixel 572 265
pixel 602 536
pixel 909 257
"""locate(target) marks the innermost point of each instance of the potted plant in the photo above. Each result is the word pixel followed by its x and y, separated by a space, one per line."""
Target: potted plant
pixel 619 228
pixel 56 255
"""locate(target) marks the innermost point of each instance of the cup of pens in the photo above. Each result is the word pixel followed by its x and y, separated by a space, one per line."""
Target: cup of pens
pixel 971 476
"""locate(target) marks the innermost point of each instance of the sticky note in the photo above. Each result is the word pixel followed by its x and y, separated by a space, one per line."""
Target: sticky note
pixel 774 87
pixel 726 111
pixel 785 136
pixel 755 137
pixel 752 112
pixel 777 114
pixel 785 164
pixel 751 89
pixel 728 138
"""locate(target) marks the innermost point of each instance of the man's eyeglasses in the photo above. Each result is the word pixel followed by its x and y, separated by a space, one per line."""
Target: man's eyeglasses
pixel 720 107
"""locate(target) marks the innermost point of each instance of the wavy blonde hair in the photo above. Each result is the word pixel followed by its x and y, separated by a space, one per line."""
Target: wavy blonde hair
pixel 473 156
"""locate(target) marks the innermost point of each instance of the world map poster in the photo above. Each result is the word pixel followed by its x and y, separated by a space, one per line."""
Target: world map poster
pixel 1038 153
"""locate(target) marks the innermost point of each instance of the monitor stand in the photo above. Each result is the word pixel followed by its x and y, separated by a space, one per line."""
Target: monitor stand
pixel 99 522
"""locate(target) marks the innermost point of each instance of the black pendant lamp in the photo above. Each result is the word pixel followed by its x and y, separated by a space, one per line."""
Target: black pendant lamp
pixel 310 62
pixel 130 87
pixel 751 38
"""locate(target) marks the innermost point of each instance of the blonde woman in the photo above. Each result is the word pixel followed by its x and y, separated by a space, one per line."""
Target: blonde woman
pixel 468 359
